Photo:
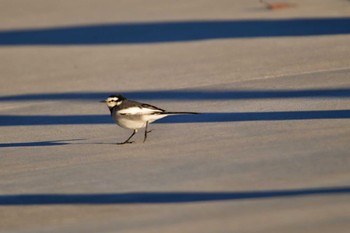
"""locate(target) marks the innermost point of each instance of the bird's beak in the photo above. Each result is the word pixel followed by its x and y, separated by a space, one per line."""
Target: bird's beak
pixel 102 101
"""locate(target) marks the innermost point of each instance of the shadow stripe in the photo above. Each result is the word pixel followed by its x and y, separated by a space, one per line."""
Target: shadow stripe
pixel 15 120
pixel 161 198
pixel 189 95
pixel 165 32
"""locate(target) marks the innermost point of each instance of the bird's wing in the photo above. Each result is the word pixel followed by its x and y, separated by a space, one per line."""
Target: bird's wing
pixel 151 107
pixel 135 108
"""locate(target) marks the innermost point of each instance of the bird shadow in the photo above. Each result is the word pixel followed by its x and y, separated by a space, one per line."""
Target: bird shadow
pixel 39 143
pixel 162 197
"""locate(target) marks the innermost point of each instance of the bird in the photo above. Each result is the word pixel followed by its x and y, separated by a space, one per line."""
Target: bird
pixel 130 114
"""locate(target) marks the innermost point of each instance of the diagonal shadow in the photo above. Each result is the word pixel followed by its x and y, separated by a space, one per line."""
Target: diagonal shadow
pixel 161 32
pixel 42 143
pixel 258 116
pixel 162 197
pixel 14 120
pixel 189 95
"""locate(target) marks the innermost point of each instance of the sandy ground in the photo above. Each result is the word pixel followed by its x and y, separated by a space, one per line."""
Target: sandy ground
pixel 269 153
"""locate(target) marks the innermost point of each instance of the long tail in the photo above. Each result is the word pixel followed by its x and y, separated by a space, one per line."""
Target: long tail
pixel 179 113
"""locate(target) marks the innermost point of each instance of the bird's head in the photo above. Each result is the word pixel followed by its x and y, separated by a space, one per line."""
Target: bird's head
pixel 113 100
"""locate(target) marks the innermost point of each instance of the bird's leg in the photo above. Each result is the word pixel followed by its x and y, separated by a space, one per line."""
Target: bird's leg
pixel 127 140
pixel 146 132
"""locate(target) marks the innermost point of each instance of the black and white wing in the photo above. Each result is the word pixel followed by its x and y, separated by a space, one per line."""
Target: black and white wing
pixel 136 108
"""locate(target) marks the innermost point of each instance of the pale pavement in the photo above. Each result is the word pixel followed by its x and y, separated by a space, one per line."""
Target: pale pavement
pixel 270 153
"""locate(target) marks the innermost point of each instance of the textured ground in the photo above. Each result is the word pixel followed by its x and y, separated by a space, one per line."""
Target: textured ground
pixel 269 153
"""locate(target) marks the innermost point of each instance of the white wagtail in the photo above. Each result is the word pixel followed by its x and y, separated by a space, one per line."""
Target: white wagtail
pixel 134 115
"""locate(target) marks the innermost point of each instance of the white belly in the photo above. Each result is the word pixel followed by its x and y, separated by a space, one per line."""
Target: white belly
pixel 130 123
pixel 135 121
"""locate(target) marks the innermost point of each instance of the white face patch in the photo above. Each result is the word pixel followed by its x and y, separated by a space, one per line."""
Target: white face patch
pixel 113 101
